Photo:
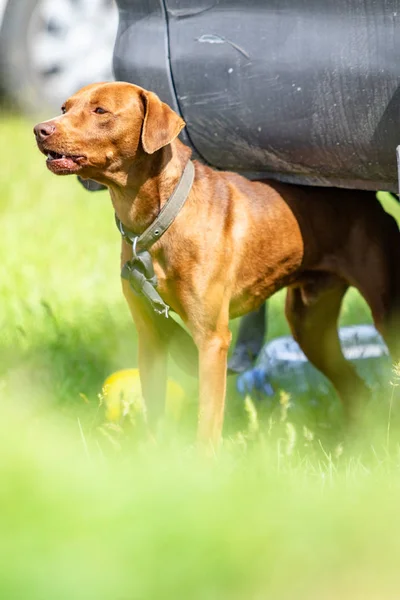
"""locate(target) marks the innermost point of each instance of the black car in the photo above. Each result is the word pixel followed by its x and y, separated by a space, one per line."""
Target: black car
pixel 302 90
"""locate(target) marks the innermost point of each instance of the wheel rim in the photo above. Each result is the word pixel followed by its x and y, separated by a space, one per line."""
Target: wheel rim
pixel 70 44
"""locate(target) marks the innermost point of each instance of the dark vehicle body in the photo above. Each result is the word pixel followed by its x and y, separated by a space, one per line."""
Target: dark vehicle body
pixel 305 91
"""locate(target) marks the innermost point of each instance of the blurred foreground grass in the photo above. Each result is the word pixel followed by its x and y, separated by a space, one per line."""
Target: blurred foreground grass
pixel 90 512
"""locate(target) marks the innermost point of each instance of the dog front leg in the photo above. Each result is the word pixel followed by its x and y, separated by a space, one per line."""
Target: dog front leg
pixel 153 375
pixel 153 354
pixel 213 352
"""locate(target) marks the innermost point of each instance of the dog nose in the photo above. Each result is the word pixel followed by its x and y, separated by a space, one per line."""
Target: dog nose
pixel 43 131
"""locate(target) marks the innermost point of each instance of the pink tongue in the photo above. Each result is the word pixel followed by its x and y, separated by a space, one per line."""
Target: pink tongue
pixel 65 163
pixel 57 164
pixel 61 164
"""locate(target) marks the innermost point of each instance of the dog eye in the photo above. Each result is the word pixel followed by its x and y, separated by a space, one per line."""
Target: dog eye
pixel 63 110
pixel 99 110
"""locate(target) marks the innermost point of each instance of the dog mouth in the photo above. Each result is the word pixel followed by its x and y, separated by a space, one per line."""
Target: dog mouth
pixel 63 163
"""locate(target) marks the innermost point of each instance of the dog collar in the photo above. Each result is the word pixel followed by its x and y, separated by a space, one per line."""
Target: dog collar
pixel 139 271
pixel 166 216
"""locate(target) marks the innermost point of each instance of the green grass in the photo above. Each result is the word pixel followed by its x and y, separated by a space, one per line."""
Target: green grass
pixel 91 510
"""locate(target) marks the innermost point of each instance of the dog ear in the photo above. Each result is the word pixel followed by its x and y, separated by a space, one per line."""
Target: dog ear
pixel 161 124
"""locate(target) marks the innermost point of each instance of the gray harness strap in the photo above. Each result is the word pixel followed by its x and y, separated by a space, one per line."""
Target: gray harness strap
pixel 170 209
pixel 166 216
pixel 139 271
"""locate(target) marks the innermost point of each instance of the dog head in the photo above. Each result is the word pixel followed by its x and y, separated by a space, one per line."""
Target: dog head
pixel 104 129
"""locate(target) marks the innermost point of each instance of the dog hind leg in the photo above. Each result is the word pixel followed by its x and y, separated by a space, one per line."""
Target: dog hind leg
pixel 377 277
pixel 312 311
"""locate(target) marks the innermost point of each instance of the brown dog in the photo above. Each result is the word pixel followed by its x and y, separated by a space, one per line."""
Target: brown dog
pixel 232 245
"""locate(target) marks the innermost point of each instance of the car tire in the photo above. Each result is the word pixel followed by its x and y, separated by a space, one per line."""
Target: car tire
pixel 20 79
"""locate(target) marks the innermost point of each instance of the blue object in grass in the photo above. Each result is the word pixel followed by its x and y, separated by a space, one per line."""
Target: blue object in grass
pixel 254 379
pixel 282 365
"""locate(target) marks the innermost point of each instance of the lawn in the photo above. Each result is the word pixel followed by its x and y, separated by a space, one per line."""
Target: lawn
pixel 291 507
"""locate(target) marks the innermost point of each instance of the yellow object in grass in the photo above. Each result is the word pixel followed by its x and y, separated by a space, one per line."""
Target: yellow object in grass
pixel 122 393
